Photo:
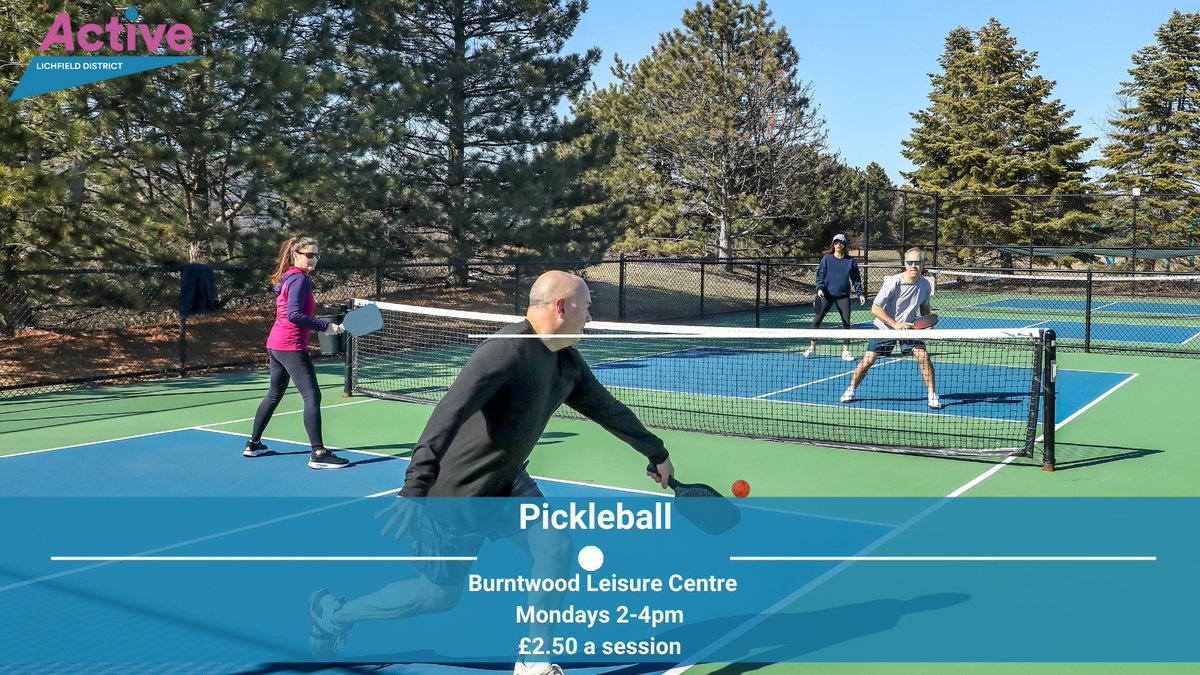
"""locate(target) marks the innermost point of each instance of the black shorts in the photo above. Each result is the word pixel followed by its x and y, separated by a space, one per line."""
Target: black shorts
pixel 885 347
pixel 452 528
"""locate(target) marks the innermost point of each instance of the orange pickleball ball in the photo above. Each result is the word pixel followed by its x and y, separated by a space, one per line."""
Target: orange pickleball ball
pixel 741 488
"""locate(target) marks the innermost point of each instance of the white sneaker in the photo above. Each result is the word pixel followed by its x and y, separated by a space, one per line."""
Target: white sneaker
pixel 848 396
pixel 810 352
pixel 537 669
pixel 326 637
pixel 934 402
pixel 846 355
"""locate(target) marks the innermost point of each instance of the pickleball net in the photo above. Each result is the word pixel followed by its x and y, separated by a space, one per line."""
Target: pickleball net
pixel 995 386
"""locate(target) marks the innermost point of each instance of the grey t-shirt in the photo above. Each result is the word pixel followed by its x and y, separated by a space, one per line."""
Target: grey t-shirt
pixel 901 300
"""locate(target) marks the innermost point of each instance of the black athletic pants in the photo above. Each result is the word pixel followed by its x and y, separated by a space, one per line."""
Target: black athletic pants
pixel 296 367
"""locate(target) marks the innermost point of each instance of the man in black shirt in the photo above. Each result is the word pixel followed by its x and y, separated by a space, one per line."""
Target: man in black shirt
pixel 477 444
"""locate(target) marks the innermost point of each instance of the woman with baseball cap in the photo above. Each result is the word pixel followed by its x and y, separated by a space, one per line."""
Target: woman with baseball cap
pixel 835 274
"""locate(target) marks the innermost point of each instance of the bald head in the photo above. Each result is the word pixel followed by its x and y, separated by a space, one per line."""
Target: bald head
pixel 558 305
pixel 552 286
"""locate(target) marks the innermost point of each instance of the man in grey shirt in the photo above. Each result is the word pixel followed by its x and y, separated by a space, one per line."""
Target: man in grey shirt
pixel 900 301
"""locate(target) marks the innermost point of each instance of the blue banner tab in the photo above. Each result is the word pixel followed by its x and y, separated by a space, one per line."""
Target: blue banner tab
pixel 53 73
pixel 596 581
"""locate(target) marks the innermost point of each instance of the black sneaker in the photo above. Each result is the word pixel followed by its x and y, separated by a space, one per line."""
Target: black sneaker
pixel 254 449
pixel 324 459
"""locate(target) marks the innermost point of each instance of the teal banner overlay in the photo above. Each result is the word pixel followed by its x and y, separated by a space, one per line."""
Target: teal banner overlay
pixel 152 581
pixel 54 73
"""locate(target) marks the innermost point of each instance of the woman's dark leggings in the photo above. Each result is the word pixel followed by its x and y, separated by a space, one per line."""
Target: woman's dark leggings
pixel 827 303
pixel 297 367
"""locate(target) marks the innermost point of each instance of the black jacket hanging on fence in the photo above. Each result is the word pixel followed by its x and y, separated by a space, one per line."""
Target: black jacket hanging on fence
pixel 197 289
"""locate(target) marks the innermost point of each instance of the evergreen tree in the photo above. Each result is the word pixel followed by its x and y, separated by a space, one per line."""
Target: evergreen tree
pixel 41 145
pixel 482 162
pixel 1155 142
pixel 204 155
pixel 881 215
pixel 992 129
pixel 721 146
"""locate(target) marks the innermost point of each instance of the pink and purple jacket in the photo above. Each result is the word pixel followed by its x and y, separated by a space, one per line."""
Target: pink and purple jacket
pixel 294 307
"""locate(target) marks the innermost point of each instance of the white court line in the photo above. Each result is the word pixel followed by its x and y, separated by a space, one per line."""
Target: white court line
pixel 1103 396
pixel 887 362
pixel 178 429
pixel 944 558
pixel 698 657
pixel 263 558
pixel 197 540
pixel 296 443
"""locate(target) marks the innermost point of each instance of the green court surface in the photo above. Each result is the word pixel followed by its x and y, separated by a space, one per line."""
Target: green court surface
pixel 1139 441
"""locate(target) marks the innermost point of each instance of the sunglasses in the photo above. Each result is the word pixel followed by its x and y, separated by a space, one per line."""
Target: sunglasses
pixel 913 262
pixel 308 254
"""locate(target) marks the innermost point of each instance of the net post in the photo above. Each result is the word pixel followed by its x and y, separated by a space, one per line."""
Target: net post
pixel 347 358
pixel 1049 391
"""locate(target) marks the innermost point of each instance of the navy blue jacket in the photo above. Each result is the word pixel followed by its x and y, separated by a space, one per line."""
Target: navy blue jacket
pixel 835 274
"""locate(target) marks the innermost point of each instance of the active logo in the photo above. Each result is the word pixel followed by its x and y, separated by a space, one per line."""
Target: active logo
pixel 47 74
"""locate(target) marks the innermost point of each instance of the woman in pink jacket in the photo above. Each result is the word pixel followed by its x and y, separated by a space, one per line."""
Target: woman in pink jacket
pixel 287 347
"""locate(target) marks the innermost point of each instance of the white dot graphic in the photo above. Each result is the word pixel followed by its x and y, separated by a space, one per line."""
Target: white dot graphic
pixel 591 558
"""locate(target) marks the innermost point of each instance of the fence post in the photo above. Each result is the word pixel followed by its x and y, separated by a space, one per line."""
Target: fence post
pixel 378 281
pixel 866 233
pixel 937 207
pixel 1087 315
pixel 621 289
pixel 702 266
pixel 757 293
pixel 182 344
pixel 516 288
pixel 767 290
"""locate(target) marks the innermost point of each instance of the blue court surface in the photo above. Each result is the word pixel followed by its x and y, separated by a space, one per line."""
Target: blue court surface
pixel 893 385
pixel 1115 306
pixel 253 616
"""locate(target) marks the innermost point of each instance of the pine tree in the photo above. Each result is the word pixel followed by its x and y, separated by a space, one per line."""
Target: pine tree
pixel 481 158
pixel 195 158
pixel 992 129
pixel 720 143
pixel 1155 142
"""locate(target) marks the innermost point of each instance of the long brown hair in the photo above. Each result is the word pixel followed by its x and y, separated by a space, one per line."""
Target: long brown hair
pixel 285 256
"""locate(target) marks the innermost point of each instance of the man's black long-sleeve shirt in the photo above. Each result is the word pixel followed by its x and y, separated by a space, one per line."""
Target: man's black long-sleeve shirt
pixel 485 428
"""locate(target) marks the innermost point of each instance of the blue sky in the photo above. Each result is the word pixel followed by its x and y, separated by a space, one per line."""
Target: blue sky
pixel 869 60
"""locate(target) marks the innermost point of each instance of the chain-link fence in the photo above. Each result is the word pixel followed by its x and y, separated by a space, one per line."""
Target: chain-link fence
pixel 1122 312
pixel 61 328
pixel 1109 232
